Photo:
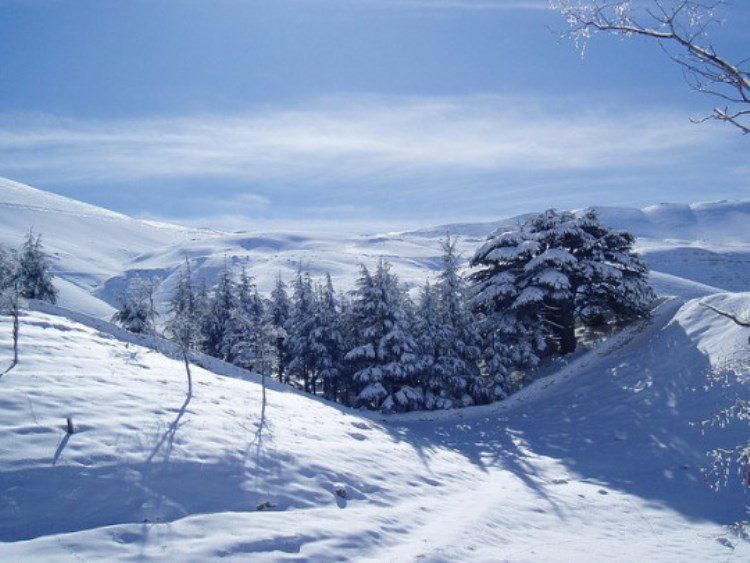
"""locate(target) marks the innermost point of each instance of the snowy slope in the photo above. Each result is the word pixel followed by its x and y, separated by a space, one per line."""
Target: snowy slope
pixel 89 244
pixel 694 250
pixel 596 461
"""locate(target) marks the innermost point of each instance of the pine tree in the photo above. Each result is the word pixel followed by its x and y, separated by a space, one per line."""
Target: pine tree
pixel 217 320
pixel 508 318
pixel 246 341
pixel 384 360
pixel 133 314
pixel 183 324
pixel 301 343
pixel 457 341
pixel 328 338
pixel 34 271
pixel 279 312
pixel 536 282
pixel 136 312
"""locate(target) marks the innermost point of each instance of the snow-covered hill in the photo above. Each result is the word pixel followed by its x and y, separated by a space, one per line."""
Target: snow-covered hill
pixel 90 245
pixel 694 250
pixel 596 461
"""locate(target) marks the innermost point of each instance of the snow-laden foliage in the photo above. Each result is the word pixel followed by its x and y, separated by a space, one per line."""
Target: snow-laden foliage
pixel 137 312
pixel 278 322
pixel 185 313
pixel 328 339
pixel 383 359
pixel 35 279
pixel 535 283
pixel 302 332
pixel 729 462
pixel 449 342
pixel 456 346
pixel 248 339
pixel 217 320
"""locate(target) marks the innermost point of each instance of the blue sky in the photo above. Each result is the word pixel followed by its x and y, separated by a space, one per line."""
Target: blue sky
pixel 349 114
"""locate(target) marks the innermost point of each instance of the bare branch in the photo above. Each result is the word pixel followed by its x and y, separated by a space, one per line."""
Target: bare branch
pixel 734 318
pixel 680 27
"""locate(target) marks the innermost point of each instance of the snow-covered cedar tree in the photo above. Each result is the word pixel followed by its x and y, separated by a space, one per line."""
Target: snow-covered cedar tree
pixel 183 323
pixel 383 360
pixel 458 348
pixel 247 341
pixel 328 339
pixel 35 271
pixel 534 282
pixel 216 320
pixel 508 318
pixel 278 320
pixel 301 340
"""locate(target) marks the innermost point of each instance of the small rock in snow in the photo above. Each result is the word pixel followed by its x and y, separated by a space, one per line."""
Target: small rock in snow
pixel 265 505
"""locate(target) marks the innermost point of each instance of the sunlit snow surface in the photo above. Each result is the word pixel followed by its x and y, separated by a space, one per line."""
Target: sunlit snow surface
pixel 693 250
pixel 598 460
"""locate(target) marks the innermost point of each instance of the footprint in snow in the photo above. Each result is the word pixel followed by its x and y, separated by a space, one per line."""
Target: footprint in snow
pixel 357 436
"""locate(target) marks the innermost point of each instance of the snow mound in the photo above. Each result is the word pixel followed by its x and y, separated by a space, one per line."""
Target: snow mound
pixel 597 459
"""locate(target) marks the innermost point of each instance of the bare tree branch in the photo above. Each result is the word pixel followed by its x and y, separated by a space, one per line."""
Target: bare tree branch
pixel 681 29
pixel 727 314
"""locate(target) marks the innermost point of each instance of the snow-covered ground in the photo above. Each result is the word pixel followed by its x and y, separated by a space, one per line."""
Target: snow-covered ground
pixel 693 250
pixel 597 461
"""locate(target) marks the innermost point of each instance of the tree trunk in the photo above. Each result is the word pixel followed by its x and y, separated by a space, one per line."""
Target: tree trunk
pixel 16 330
pixel 280 358
pixel 567 328
pixel 187 370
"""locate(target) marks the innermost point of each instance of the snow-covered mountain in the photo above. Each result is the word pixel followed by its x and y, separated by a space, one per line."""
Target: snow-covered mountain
pixel 600 457
pixel 596 461
pixel 693 249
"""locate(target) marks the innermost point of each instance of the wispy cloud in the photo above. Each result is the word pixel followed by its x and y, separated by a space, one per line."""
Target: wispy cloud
pixel 453 4
pixel 350 139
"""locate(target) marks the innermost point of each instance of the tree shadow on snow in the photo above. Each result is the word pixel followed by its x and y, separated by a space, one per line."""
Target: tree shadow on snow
pixel 625 421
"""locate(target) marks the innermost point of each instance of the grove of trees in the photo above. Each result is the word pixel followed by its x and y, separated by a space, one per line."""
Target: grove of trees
pixel 462 340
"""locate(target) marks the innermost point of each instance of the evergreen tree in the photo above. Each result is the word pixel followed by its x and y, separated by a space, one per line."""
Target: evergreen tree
pixel 301 343
pixel 217 321
pixel 183 324
pixel 246 341
pixel 457 341
pixel 536 281
pixel 279 312
pixel 328 338
pixel 133 314
pixel 384 360
pixel 508 318
pixel 34 271
pixel 136 312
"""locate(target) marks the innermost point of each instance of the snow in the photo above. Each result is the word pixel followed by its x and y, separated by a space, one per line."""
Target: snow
pixel 99 252
pixel 598 459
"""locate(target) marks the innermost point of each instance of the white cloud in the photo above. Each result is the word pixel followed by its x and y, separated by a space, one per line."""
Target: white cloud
pixel 361 139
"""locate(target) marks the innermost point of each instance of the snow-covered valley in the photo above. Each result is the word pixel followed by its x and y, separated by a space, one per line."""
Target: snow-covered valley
pixel 595 461
pixel 601 458
pixel 693 250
